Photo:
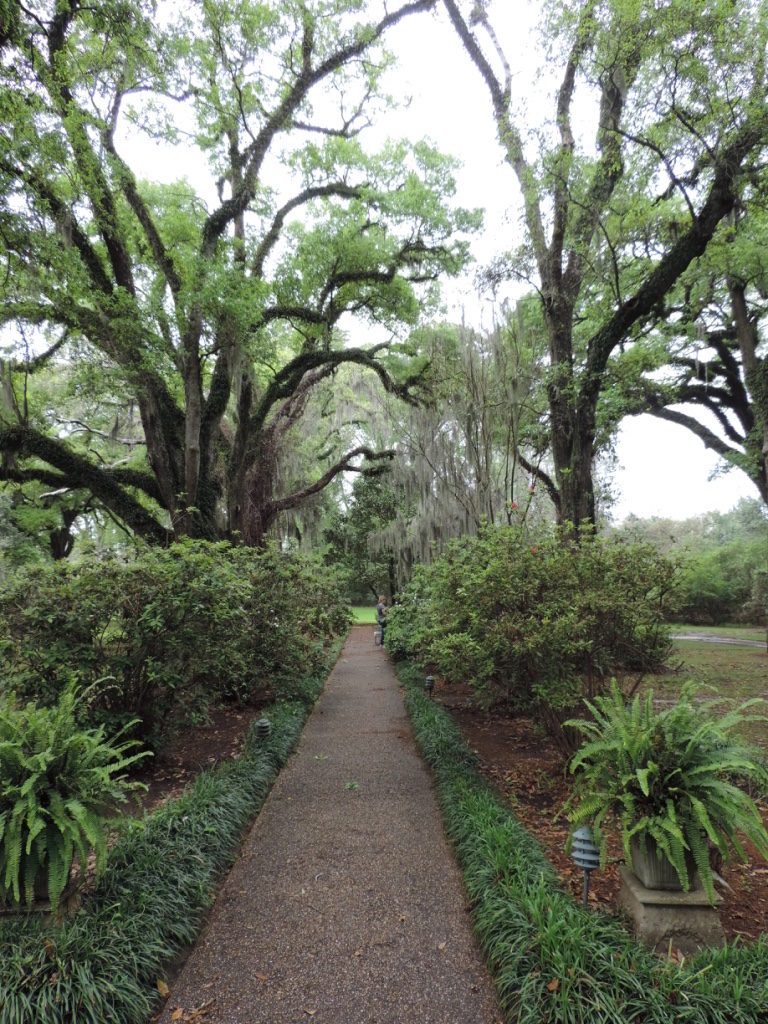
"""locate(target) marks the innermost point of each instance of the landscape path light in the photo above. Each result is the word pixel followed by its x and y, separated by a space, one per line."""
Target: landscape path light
pixel 586 854
pixel 429 684
pixel 263 728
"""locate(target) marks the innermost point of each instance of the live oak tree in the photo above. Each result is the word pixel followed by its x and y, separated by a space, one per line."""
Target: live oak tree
pixel 678 95
pixel 215 314
pixel 712 372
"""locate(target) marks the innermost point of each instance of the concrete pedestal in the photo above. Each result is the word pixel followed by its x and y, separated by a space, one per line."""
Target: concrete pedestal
pixel 685 918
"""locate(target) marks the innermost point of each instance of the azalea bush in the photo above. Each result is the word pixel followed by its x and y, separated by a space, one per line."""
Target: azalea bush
pixel 536 620
pixel 171 632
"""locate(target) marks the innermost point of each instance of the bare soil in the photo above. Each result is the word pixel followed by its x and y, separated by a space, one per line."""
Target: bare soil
pixel 174 768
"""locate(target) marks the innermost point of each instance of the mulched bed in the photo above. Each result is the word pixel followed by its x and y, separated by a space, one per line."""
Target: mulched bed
pixel 524 765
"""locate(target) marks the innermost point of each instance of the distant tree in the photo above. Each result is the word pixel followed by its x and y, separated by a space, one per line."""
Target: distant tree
pixel 724 557
pixel 367 572
pixel 470 452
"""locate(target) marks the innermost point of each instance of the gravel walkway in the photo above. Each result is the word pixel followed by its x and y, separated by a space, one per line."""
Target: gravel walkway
pixel 346 906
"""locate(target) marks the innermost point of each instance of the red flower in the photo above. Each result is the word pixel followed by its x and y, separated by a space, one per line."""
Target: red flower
pixel 534 551
pixel 513 504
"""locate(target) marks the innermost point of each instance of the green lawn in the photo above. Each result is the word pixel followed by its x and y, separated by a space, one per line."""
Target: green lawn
pixel 364 615
pixel 737 632
pixel 728 670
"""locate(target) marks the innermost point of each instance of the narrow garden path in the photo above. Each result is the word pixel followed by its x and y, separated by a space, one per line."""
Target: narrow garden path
pixel 345 906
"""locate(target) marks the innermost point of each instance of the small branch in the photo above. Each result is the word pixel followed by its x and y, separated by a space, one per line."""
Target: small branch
pixel 342 466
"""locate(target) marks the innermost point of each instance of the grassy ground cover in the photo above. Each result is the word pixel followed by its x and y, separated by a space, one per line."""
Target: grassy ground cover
pixel 104 965
pixel 364 615
pixel 727 670
pixel 736 632
pixel 552 960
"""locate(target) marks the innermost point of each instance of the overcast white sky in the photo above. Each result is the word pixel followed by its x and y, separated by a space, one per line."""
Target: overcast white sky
pixel 663 469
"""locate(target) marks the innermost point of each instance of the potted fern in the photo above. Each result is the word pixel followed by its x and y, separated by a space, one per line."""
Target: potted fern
pixel 58 781
pixel 670 780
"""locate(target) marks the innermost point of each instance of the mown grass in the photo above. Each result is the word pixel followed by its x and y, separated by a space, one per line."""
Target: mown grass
pixel 363 615
pixel 729 671
pixel 552 960
pixel 738 632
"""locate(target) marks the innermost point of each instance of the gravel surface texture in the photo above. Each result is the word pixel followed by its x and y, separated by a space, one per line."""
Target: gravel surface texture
pixel 346 905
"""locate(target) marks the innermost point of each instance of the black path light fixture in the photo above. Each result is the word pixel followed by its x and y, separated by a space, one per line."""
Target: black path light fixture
pixel 263 728
pixel 429 685
pixel 586 854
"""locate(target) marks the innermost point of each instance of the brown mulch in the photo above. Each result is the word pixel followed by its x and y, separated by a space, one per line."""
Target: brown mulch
pixel 173 768
pixel 525 766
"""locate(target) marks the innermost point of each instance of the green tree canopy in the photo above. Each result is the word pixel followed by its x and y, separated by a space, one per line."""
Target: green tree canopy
pixel 215 315
pixel 677 96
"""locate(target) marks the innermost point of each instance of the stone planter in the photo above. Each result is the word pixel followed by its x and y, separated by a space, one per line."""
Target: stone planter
pixel 663 913
pixel 663 917
pixel 654 870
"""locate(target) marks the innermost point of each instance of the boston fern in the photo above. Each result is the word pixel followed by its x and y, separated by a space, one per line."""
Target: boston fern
pixel 671 776
pixel 57 782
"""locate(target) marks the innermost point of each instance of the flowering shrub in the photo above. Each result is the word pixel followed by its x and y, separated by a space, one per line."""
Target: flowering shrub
pixel 540 624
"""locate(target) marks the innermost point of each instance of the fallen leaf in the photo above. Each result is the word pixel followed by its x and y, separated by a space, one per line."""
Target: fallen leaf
pixel 263 977
pixel 554 985
pixel 163 989
pixel 177 1014
pixel 442 945
pixel 310 1013
pixel 358 952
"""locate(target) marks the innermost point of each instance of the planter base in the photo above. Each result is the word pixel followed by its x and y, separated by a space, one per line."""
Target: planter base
pixel 69 904
pixel 686 919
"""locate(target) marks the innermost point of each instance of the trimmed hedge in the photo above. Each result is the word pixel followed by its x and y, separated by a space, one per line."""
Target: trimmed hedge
pixel 552 960
pixel 103 966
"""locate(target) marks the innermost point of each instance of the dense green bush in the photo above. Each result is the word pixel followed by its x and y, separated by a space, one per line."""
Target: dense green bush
pixel 103 966
pixel 724 584
pixel 171 631
pixel 552 960
pixel 541 621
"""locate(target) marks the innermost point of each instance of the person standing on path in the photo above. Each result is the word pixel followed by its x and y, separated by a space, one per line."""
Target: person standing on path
pixel 381 615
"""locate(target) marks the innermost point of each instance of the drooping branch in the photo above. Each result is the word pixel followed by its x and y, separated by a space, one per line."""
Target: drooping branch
pixel 344 465
pixel 540 474
pixel 288 379
pixel 38 361
pixel 78 472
